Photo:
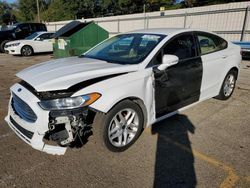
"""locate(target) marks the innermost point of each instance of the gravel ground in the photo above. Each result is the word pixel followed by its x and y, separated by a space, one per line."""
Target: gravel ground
pixel 205 146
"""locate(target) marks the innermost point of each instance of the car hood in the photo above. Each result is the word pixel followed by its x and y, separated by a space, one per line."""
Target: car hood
pixel 63 73
pixel 16 41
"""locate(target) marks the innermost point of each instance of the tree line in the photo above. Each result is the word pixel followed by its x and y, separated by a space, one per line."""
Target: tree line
pixel 57 10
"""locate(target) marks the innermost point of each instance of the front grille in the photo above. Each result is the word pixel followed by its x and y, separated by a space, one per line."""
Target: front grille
pixel 25 132
pixel 23 110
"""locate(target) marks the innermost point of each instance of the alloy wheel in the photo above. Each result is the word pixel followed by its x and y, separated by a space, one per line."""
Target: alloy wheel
pixel 123 127
pixel 26 51
pixel 229 85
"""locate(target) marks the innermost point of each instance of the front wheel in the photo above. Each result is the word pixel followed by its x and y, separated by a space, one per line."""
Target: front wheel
pixel 27 51
pixel 120 127
pixel 228 86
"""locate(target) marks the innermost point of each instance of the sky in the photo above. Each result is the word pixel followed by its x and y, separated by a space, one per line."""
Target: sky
pixel 10 1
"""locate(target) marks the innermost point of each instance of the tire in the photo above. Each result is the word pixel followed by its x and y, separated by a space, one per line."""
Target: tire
pixel 110 130
pixel 2 45
pixel 27 51
pixel 228 85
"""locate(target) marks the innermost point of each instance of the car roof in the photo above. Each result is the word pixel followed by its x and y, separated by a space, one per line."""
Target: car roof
pixel 162 31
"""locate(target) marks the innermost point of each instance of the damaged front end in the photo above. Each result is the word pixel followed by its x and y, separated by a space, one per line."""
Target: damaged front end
pixel 50 121
pixel 70 118
pixel 70 127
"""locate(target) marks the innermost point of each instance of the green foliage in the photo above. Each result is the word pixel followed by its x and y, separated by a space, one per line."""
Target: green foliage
pixel 18 15
pixel 194 3
pixel 6 13
pixel 57 10
pixel 28 9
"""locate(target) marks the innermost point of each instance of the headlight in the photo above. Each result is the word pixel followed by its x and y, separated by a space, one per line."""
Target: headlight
pixel 69 103
pixel 15 44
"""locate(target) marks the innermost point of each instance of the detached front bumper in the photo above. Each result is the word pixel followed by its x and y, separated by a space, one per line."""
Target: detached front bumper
pixel 31 132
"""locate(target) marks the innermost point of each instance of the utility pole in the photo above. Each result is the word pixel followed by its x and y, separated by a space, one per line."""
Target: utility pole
pixel 144 12
pixel 38 11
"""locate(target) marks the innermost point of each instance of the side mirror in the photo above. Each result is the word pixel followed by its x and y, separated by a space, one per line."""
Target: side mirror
pixel 39 39
pixel 167 61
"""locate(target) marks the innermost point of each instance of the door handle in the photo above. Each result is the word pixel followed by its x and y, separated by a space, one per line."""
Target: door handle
pixel 224 56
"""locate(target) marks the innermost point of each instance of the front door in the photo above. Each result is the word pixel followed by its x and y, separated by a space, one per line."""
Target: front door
pixel 178 85
pixel 44 44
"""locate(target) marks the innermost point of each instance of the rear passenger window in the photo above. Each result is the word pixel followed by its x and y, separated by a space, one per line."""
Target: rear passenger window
pixel 40 27
pixel 210 43
pixel 24 27
pixel 45 36
pixel 37 27
pixel 33 28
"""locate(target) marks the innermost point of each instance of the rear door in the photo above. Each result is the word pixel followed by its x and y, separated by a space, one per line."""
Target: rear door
pixel 214 55
pixel 178 85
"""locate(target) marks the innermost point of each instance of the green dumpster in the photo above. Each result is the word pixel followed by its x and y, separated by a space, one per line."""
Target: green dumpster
pixel 76 38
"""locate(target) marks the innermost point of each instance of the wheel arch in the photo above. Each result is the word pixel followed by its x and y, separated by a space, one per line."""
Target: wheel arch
pixel 136 100
pixel 235 69
pixel 3 42
pixel 28 46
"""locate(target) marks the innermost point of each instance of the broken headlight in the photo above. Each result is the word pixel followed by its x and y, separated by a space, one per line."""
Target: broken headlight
pixel 69 103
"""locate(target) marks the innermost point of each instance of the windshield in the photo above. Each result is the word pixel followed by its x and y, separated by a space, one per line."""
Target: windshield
pixel 125 49
pixel 34 35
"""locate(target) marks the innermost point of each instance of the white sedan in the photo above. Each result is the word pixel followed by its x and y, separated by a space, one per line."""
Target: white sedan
pixel 35 43
pixel 119 87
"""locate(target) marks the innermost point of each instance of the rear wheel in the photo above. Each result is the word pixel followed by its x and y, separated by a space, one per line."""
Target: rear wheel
pixel 26 51
pixel 119 128
pixel 228 86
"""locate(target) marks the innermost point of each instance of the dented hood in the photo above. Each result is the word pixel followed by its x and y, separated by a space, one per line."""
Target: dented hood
pixel 63 73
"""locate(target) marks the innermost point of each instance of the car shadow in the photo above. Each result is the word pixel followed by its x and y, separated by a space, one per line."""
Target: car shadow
pixel 36 54
pixel 43 53
pixel 174 166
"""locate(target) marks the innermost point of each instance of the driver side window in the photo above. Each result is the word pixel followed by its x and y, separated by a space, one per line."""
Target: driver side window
pixel 45 36
pixel 24 27
pixel 182 46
